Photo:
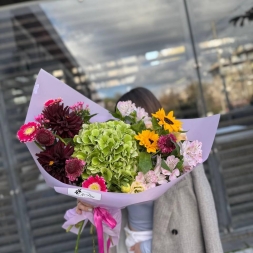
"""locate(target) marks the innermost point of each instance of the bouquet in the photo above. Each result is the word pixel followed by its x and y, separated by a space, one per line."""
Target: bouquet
pixel 111 161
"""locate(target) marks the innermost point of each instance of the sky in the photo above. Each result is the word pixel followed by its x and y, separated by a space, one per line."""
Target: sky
pixel 99 31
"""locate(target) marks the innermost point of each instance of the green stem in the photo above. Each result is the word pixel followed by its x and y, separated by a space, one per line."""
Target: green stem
pixel 78 236
pixel 39 146
pixel 69 228
pixel 57 136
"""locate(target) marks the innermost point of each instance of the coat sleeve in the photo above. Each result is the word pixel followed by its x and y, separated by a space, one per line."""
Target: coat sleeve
pixel 207 211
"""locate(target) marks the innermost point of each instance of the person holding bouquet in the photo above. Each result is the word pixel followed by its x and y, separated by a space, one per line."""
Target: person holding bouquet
pixel 183 220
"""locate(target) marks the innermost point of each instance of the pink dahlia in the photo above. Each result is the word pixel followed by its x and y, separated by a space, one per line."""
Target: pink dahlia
pixel 95 183
pixel 28 132
pixel 74 168
pixel 52 101
pixel 45 137
pixel 166 143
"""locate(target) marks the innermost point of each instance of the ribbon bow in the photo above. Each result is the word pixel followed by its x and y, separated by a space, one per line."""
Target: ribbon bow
pixel 101 215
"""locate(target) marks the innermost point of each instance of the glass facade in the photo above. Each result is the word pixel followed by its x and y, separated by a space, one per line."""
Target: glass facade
pixel 186 52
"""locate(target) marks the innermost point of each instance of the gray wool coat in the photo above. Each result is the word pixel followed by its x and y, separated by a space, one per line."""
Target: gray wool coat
pixel 184 219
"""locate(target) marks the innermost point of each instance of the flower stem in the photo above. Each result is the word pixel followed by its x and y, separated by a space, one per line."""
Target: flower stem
pixel 57 136
pixel 69 228
pixel 39 146
pixel 78 236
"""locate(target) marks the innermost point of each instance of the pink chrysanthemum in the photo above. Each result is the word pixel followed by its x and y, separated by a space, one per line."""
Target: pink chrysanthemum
pixel 166 143
pixel 95 183
pixel 74 168
pixel 39 118
pixel 45 137
pixel 28 132
pixel 52 101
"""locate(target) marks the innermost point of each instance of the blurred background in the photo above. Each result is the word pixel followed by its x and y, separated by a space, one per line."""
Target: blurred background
pixel 195 56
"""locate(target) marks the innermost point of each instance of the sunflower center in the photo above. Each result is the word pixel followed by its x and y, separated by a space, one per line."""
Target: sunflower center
pixel 168 121
pixel 151 141
pixel 94 186
pixel 51 163
pixel 29 130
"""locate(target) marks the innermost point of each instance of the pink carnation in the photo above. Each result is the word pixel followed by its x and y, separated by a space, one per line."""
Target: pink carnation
pixel 192 153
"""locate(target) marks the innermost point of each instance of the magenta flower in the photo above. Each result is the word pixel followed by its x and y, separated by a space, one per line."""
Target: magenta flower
pixel 96 183
pixel 45 137
pixel 192 153
pixel 28 132
pixel 166 143
pixel 77 107
pixel 52 101
pixel 74 168
pixel 39 118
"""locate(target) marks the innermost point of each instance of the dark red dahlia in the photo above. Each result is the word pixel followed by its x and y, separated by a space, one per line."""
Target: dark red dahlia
pixel 166 143
pixel 45 137
pixel 53 160
pixel 61 121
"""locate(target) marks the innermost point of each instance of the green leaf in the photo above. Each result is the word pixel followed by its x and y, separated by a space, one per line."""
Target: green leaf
pixel 145 163
pixel 68 141
pixel 138 127
pixel 129 119
pixel 165 166
pixel 180 165
pixel 155 124
pixel 117 114
pixel 86 118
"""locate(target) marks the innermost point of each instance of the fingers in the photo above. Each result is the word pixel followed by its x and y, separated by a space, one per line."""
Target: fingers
pixel 83 207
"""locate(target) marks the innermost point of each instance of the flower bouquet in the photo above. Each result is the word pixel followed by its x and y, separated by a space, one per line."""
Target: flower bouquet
pixel 108 160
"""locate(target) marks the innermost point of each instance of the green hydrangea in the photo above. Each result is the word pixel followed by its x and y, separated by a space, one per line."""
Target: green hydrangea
pixel 109 150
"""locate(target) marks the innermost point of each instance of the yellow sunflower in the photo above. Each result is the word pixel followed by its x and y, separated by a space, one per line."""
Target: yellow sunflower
pixel 148 139
pixel 169 122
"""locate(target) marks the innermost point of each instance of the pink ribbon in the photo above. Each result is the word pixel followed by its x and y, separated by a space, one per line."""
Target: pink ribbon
pixel 102 215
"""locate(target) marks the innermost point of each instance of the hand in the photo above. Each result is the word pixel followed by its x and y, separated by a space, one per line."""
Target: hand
pixel 81 206
pixel 136 248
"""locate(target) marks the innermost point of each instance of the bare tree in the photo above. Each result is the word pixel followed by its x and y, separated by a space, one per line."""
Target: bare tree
pixel 247 16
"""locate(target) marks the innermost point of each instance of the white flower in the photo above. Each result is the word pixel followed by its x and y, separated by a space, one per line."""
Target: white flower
pixel 126 107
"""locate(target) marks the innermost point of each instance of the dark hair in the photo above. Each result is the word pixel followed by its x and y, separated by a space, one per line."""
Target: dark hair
pixel 142 97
